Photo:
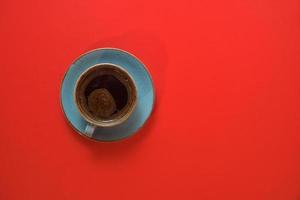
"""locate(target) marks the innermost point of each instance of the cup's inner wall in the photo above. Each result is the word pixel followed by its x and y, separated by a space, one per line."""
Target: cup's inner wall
pixel 105 93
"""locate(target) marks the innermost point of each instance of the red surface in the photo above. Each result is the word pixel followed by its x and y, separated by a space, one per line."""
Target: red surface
pixel 226 123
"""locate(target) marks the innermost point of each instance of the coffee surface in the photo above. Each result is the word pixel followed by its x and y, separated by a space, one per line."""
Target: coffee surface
pixel 105 95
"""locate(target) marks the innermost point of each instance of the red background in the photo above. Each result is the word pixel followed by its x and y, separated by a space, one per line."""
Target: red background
pixel 226 122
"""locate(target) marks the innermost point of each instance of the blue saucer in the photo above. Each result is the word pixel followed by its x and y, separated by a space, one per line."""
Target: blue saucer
pixel 144 85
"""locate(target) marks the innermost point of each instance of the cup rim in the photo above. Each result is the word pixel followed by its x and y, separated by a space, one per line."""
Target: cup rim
pixel 112 122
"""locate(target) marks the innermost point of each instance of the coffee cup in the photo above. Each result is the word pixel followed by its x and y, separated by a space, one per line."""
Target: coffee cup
pixel 105 95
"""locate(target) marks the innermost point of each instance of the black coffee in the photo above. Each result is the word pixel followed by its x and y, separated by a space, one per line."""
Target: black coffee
pixel 105 93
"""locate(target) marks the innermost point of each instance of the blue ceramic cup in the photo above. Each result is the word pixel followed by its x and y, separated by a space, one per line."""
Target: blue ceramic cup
pixel 107 94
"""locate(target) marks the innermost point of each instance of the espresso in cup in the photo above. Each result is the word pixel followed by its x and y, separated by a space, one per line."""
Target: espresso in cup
pixel 105 95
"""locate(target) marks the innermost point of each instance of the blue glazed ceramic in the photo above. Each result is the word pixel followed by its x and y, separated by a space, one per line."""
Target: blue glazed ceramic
pixel 144 87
